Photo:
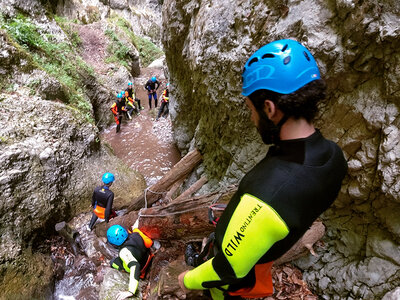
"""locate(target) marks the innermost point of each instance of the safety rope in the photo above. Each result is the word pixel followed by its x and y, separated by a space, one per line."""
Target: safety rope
pixel 178 212
pixel 145 195
pixel 172 213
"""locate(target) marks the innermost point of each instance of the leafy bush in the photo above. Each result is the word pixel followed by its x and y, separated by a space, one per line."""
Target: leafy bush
pixel 59 60
pixel 117 49
pixel 148 52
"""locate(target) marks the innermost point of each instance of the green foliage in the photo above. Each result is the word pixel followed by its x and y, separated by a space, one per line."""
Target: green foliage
pixel 148 52
pixel 58 59
pixel 25 33
pixel 73 35
pixel 117 49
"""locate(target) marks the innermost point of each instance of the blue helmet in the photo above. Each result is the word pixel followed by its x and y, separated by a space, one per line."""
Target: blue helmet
pixel 117 235
pixel 281 66
pixel 153 79
pixel 129 83
pixel 167 85
pixel 108 178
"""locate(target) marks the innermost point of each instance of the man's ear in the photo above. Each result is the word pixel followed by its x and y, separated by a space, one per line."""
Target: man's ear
pixel 269 108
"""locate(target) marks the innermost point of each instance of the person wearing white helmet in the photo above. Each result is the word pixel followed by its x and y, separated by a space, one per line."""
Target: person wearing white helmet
pixel 278 200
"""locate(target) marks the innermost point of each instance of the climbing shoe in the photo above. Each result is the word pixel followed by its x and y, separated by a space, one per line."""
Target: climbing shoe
pixel 191 255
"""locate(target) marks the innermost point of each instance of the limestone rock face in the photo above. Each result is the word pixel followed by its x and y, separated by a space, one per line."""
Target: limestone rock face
pixel 51 159
pixel 356 44
pixel 144 16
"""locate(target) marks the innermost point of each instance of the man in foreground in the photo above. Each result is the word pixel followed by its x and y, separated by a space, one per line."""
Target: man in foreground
pixel 278 200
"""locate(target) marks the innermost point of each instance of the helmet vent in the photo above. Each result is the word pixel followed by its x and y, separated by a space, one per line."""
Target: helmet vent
pixel 284 48
pixel 255 59
pixel 286 60
pixel 268 55
pixel 306 55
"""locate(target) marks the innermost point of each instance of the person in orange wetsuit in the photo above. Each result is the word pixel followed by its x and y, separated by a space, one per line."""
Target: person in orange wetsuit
pixel 118 108
pixel 164 108
pixel 131 94
pixel 131 105
pixel 102 201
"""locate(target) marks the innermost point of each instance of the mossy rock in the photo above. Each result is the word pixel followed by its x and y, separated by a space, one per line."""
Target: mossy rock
pixel 28 277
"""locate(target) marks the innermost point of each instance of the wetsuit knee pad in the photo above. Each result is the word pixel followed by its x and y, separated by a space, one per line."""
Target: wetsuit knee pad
pixel 116 263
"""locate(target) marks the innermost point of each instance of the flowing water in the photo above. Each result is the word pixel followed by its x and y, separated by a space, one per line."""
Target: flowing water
pixel 145 145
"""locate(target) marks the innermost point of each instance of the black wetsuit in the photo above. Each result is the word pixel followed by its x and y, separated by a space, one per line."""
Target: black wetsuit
pixel 133 96
pixel 150 86
pixel 276 203
pixel 103 197
pixel 132 257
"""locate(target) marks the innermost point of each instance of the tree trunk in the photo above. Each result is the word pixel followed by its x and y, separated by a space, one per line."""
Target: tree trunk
pixel 192 189
pixel 305 244
pixel 179 171
pixel 186 219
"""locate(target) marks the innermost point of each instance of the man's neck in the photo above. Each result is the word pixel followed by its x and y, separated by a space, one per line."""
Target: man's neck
pixel 296 129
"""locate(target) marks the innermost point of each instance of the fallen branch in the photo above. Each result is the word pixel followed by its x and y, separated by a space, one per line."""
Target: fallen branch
pixel 192 189
pixel 185 219
pixel 304 245
pixel 179 171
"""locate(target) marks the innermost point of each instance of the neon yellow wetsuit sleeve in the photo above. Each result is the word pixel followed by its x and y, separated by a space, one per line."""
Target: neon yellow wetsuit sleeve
pixel 131 266
pixel 252 230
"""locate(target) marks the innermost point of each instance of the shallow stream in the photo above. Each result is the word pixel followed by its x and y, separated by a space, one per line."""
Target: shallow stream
pixel 145 145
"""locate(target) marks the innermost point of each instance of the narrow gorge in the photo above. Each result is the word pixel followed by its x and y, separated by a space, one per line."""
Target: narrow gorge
pixel 54 108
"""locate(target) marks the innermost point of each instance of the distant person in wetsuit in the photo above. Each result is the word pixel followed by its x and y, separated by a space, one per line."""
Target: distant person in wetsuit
pixel 118 109
pixel 132 95
pixel 278 200
pixel 152 86
pixel 102 201
pixel 164 107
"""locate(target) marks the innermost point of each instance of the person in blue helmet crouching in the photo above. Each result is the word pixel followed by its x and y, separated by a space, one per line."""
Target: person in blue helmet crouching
pixel 134 255
pixel 279 198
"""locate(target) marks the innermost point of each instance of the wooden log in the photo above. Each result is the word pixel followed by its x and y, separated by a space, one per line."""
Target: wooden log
pixel 177 172
pixel 192 189
pixel 186 219
pixel 172 191
pixel 305 244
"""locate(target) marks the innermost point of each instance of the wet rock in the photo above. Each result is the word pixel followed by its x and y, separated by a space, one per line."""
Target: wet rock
pixel 30 276
pixel 392 295
pixel 117 281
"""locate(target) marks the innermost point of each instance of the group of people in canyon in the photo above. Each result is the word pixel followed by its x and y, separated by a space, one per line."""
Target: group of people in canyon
pixel 278 199
pixel 127 103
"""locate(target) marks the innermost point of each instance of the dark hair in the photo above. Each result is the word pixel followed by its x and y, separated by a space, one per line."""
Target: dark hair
pixel 302 103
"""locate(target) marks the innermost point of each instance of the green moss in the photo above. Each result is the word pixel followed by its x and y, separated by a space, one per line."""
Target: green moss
pixel 73 35
pixel 148 52
pixel 58 59
pixel 28 277
pixel 119 52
